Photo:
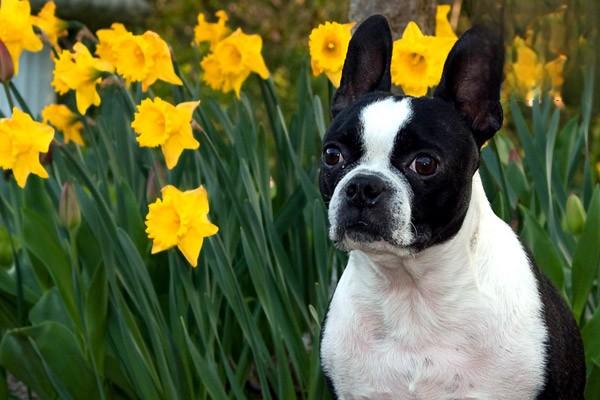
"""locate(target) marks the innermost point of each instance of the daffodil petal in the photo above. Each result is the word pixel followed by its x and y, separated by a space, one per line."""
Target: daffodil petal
pixel 190 248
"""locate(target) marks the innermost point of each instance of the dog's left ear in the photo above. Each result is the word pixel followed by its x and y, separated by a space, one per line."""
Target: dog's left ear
pixel 471 81
pixel 367 65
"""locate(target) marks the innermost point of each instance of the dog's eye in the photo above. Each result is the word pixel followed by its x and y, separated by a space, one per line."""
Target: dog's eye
pixel 332 155
pixel 424 165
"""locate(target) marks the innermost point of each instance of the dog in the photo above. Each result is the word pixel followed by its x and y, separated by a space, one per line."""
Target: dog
pixel 439 299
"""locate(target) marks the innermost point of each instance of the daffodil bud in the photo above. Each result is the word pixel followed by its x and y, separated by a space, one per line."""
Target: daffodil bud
pixel 7 68
pixel 574 218
pixel 68 208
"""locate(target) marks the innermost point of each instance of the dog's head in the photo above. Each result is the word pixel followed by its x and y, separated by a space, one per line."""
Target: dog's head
pixel 396 171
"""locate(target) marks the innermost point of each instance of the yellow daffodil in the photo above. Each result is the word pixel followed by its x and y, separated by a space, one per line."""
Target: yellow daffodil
pixel 161 65
pixel 232 60
pixel 528 70
pixel 442 25
pixel 530 77
pixel 180 219
pixel 16 29
pixel 137 58
pixel 108 39
pixel 418 60
pixel 81 72
pixel 159 123
pixel 439 48
pixel 52 27
pixel 554 72
pixel 211 32
pixel 21 142
pixel 328 44
pixel 133 60
pixel 65 120
pixel 410 61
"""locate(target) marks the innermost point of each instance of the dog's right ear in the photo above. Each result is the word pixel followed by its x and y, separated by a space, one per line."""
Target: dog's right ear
pixel 367 65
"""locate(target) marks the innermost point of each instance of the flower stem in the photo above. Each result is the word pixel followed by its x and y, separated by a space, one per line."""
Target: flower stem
pixel 20 99
pixel 11 102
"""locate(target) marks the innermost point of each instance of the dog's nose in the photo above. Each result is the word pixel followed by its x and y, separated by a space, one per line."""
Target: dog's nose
pixel 364 190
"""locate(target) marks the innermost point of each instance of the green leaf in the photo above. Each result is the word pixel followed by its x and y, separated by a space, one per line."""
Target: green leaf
pixel 592 389
pixel 129 216
pixel 587 256
pixel 96 312
pixel 9 317
pixel 43 357
pixel 50 307
pixel 42 241
pixel 206 371
pixel 591 338
pixel 544 251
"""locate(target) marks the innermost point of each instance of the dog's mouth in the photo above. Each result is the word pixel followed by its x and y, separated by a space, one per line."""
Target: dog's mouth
pixel 361 230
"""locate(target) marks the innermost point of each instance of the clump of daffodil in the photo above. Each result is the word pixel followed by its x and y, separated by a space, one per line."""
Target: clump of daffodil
pixel 22 140
pixel 65 120
pixel 81 72
pixel 180 219
pixel 53 27
pixel 16 29
pixel 159 123
pixel 528 73
pixel 232 60
pixel 328 44
pixel 418 59
pixel 137 58
pixel 212 32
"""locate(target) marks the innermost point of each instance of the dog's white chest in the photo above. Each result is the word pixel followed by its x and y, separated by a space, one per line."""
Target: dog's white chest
pixel 465 339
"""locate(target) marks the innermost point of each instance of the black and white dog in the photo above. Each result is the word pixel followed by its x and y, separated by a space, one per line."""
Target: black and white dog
pixel 439 300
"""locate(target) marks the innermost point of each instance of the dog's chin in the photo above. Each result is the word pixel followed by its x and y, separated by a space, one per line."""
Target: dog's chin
pixel 353 238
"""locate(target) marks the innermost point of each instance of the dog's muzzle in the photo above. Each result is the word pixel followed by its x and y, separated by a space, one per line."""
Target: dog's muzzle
pixel 364 212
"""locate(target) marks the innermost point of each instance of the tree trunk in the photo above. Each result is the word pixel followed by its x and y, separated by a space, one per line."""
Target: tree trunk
pixel 398 13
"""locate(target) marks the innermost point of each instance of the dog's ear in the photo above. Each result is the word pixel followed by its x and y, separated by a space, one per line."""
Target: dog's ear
pixel 471 80
pixel 367 65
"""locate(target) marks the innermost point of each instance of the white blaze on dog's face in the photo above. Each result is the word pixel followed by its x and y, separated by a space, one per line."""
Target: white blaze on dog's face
pixel 370 206
pixel 397 171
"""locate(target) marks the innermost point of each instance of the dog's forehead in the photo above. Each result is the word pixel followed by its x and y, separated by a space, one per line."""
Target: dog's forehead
pixel 380 122
pixel 372 123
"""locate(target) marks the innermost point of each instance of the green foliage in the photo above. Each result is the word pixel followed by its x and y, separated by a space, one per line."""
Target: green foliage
pixel 89 313
pixel 245 323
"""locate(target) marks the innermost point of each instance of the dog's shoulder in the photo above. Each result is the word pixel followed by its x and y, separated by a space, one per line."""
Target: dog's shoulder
pixel 565 366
